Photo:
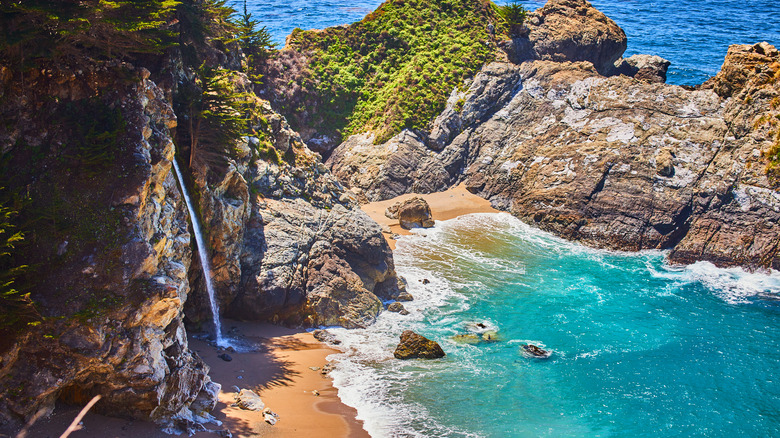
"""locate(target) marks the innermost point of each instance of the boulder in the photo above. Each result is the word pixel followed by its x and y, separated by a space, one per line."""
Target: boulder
pixel 573 30
pixel 647 68
pixel 326 337
pixel 415 213
pixel 270 416
pixel 249 400
pixel 417 346
pixel 397 307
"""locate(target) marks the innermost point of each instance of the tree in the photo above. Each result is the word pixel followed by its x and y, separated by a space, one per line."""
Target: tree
pixel 215 115
pixel 254 41
pixel 37 30
pixel 514 13
pixel 15 306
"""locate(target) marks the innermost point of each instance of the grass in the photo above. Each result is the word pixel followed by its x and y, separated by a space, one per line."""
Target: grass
pixel 395 69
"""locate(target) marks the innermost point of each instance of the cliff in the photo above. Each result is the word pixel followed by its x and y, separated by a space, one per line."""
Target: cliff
pixel 109 285
pixel 288 243
pixel 615 161
pixel 108 249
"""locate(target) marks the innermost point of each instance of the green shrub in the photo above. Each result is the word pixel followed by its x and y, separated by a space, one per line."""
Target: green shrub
pixel 396 68
pixel 514 13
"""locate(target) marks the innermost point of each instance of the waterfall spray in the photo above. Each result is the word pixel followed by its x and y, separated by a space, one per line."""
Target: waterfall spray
pixel 204 259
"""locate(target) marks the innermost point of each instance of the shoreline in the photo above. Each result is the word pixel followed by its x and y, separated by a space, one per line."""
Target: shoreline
pixel 449 204
pixel 279 372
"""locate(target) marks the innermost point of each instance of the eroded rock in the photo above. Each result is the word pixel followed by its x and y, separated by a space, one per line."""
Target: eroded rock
pixel 648 68
pixel 414 213
pixel 414 346
pixel 571 30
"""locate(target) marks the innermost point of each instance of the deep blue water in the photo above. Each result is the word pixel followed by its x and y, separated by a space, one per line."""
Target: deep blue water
pixel 639 348
pixel 693 34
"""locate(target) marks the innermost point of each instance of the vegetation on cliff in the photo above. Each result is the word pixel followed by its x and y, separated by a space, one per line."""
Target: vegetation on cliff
pixel 395 68
pixel 66 140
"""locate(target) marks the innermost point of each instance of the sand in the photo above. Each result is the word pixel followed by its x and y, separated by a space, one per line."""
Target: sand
pixel 446 205
pixel 279 371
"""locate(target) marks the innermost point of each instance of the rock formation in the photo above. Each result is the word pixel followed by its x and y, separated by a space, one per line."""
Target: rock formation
pixel 648 68
pixel 411 213
pixel 414 346
pixel 115 280
pixel 614 162
pixel 288 243
pixel 570 30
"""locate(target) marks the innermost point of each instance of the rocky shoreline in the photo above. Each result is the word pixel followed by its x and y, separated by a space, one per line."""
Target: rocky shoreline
pixel 560 131
pixel 612 161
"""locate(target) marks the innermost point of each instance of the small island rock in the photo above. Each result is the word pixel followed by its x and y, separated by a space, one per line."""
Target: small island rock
pixel 534 351
pixel 417 346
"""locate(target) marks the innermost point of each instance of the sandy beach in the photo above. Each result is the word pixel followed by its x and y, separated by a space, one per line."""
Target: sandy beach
pixel 449 204
pixel 280 372
pixel 285 371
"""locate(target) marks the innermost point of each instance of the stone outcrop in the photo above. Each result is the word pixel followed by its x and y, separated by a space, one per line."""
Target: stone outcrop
pixel 411 213
pixel 648 68
pixel 113 289
pixel 414 346
pixel 288 243
pixel 570 30
pixel 611 161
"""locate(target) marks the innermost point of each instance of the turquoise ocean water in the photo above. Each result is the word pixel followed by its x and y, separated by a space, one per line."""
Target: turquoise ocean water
pixel 639 348
pixel 693 34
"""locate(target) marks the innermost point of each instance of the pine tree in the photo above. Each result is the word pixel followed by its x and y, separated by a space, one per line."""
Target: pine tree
pixel 39 30
pixel 255 42
pixel 215 115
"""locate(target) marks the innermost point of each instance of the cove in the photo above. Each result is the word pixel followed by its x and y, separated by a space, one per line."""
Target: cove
pixel 640 348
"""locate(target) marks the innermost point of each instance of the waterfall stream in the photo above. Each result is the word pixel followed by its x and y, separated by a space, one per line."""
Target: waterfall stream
pixel 204 259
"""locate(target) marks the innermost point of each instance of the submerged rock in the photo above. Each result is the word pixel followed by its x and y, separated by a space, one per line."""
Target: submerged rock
pixel 534 351
pixel 490 336
pixel 467 338
pixel 417 346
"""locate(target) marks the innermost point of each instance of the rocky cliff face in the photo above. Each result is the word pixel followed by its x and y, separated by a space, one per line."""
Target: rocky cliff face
pixel 288 243
pixel 112 271
pixel 614 162
pixel 109 256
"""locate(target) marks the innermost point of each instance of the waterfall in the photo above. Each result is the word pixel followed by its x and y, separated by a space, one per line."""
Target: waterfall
pixel 204 259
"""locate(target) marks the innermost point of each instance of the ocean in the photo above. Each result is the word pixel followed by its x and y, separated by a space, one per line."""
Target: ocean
pixel 694 35
pixel 638 347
